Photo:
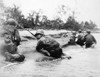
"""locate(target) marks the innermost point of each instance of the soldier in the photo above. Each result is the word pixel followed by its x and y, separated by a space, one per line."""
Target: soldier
pixel 72 40
pixel 89 39
pixel 11 41
pixel 80 38
pixel 48 46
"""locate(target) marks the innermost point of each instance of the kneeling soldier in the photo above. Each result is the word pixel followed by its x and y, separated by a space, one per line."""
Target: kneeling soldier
pixel 11 40
pixel 48 46
pixel 89 39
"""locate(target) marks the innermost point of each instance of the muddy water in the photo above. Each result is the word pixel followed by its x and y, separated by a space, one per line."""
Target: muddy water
pixel 84 62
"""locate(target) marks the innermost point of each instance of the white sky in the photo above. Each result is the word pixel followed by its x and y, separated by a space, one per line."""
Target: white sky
pixel 85 9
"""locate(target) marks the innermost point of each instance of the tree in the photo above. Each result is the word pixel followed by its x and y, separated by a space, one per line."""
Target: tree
pixel 89 25
pixel 72 24
pixel 92 25
pixel 15 13
pixel 34 18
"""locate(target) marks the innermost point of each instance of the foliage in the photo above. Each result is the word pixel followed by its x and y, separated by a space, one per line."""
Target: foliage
pixel 89 25
pixel 72 24
pixel 35 20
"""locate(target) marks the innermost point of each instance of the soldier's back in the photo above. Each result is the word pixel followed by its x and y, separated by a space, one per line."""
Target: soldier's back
pixel 89 38
pixel 49 42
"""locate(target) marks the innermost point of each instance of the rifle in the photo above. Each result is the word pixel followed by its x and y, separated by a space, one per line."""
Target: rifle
pixel 30 32
pixel 16 41
pixel 27 30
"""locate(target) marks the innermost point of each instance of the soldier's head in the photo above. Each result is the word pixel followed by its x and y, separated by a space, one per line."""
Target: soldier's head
pixel 88 31
pixel 39 33
pixel 74 33
pixel 11 22
pixel 80 31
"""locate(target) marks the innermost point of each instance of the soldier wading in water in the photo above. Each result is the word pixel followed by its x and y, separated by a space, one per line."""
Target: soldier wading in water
pixel 89 39
pixel 48 46
pixel 12 40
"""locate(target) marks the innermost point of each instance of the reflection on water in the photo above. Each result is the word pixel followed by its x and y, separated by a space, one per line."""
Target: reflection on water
pixel 84 63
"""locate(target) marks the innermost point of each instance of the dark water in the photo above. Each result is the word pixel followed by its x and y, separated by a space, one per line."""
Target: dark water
pixel 84 62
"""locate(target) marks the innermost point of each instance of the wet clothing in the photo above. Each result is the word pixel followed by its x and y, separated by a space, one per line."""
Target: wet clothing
pixel 11 41
pixel 80 39
pixel 89 40
pixel 14 57
pixel 21 58
pixel 14 34
pixel 49 45
pixel 11 51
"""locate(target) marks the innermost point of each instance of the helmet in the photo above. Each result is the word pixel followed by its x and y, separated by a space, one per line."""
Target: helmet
pixel 11 22
pixel 74 33
pixel 80 31
pixel 88 31
pixel 40 31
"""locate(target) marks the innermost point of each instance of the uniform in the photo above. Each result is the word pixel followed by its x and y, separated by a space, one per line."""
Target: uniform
pixel 80 39
pixel 72 40
pixel 48 44
pixel 89 40
pixel 12 40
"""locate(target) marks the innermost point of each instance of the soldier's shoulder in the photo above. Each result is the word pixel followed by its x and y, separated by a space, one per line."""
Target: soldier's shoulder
pixel 45 37
pixel 42 39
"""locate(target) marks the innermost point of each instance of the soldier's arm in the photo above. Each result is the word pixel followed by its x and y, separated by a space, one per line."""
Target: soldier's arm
pixel 39 46
pixel 9 56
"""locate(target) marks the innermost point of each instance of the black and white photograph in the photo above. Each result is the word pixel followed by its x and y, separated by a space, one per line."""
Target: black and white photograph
pixel 49 38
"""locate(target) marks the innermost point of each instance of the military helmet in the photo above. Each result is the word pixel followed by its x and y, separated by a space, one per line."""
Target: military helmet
pixel 40 31
pixel 74 33
pixel 80 31
pixel 11 22
pixel 88 31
